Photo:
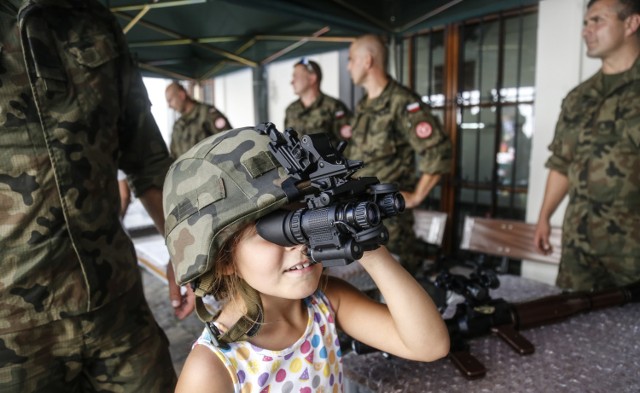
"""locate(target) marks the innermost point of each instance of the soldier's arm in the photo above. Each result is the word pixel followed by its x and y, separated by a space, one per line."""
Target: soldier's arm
pixel 219 121
pixel 424 186
pixel 432 146
pixel 227 125
pixel 562 148
pixel 555 191
pixel 146 171
pixel 183 304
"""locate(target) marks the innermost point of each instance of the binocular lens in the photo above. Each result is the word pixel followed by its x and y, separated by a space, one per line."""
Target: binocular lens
pixel 392 204
pixel 364 215
pixel 287 228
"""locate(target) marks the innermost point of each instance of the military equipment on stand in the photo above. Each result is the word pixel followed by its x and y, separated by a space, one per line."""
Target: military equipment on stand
pixel 479 314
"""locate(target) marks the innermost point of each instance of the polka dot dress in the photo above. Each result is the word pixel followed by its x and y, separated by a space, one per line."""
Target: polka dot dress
pixel 311 364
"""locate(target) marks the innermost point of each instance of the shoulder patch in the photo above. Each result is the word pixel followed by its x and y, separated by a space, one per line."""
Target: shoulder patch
pixel 413 107
pixel 423 130
pixel 339 114
pixel 220 123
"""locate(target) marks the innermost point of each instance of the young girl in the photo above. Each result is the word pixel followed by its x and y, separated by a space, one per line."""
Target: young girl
pixel 277 330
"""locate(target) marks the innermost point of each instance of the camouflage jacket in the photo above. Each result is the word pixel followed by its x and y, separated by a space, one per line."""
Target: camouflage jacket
pixel 391 130
pixel 597 146
pixel 326 114
pixel 73 109
pixel 203 121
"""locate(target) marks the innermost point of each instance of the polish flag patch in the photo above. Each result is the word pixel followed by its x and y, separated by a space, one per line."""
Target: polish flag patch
pixel 346 131
pixel 413 107
pixel 339 114
pixel 220 123
pixel 423 130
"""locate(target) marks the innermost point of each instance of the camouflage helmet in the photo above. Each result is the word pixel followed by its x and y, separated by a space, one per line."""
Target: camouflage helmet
pixel 214 189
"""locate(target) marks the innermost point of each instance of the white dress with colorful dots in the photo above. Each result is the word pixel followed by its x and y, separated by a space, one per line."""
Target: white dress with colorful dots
pixel 311 364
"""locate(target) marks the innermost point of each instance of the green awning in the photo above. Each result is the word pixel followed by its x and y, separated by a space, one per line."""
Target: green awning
pixel 198 39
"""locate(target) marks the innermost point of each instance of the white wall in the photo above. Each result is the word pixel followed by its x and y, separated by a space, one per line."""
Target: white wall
pixel 561 64
pixel 234 97
pixel 164 116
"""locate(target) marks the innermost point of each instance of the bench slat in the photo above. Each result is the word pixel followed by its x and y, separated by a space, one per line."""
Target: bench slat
pixel 508 238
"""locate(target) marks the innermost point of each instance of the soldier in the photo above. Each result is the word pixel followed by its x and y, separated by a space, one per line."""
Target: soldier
pixel 595 158
pixel 314 111
pixel 73 110
pixel 392 127
pixel 197 120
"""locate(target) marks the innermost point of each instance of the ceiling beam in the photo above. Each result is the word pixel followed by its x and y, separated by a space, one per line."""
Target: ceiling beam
pixel 155 4
pixel 293 46
pixel 213 49
pixel 215 69
pixel 363 14
pixel 428 15
pixel 302 37
pixel 162 71
pixel 208 40
pixel 136 19
pixel 303 10
pixel 257 38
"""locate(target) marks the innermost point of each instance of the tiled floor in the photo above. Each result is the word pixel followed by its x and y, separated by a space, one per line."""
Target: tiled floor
pixel 181 334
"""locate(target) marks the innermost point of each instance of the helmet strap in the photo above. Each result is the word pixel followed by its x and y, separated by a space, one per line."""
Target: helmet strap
pixel 247 326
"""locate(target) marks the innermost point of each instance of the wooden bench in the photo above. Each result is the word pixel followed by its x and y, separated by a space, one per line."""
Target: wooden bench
pixel 429 226
pixel 509 239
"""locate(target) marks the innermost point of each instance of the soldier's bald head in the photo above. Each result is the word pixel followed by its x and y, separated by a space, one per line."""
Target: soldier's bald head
pixel 175 87
pixel 177 97
pixel 374 46
pixel 625 7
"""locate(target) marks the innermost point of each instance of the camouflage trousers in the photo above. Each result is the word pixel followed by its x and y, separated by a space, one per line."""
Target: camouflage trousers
pixel 402 241
pixel 117 348
pixel 583 272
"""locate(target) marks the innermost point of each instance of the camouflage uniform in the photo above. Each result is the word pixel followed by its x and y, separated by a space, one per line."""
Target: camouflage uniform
pixel 389 133
pixel 72 110
pixel 203 121
pixel 597 146
pixel 326 114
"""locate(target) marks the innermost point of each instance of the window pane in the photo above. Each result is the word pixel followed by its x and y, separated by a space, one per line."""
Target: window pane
pixel 505 208
pixel 520 54
pixel 477 139
pixel 404 70
pixel 480 59
pixel 429 67
pixel 515 147
pixel 474 202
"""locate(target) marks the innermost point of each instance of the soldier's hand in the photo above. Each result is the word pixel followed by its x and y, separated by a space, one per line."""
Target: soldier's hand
pixel 410 200
pixel 183 300
pixel 541 237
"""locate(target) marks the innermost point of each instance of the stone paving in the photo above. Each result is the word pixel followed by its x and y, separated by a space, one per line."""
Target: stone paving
pixel 181 334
